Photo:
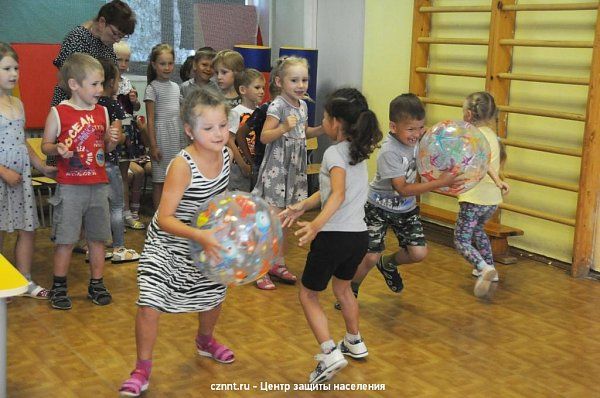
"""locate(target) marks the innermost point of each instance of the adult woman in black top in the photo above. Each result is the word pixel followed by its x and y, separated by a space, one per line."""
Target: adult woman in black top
pixel 114 21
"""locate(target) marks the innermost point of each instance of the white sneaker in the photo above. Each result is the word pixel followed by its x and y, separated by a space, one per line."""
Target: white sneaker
pixel 328 366
pixel 355 350
pixel 477 273
pixel 484 281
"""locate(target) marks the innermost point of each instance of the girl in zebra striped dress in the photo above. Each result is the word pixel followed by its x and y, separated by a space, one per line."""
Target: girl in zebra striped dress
pixel 167 279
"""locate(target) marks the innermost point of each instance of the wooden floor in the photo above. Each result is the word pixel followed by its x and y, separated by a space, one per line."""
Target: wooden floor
pixel 539 336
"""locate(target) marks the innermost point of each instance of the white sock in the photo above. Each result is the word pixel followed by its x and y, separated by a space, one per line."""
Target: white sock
pixel 481 265
pixel 127 214
pixel 327 346
pixel 352 338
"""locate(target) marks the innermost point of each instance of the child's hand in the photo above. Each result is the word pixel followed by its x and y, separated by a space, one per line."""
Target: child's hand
pixel 307 233
pixel 210 244
pixel 133 96
pixel 504 187
pixel 451 179
pixel 141 122
pixel 155 154
pixel 291 214
pixel 246 169
pixel 290 122
pixel 49 171
pixel 63 150
pixel 11 177
pixel 114 135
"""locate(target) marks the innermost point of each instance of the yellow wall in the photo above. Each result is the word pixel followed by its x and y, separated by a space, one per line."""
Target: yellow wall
pixel 386 73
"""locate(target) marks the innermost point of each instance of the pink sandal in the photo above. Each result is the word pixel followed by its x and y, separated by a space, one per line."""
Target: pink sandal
pixel 135 385
pixel 280 271
pixel 265 283
pixel 216 351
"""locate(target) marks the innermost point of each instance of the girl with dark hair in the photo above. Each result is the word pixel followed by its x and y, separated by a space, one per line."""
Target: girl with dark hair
pixel 338 234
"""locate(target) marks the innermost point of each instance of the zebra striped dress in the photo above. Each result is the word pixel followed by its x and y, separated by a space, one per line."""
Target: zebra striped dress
pixel 167 279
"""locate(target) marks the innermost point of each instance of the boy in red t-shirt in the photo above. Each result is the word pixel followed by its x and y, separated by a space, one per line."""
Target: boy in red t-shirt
pixel 78 130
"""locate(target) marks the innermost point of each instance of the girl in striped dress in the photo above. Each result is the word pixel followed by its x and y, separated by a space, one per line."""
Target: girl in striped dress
pixel 162 108
pixel 167 279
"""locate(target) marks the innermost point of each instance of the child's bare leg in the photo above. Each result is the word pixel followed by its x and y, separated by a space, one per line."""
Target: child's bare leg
pixel 349 304
pixel 207 321
pixel 317 320
pixel 62 258
pixel 365 266
pixel 146 331
pixel 124 169
pixel 96 258
pixel 24 251
pixel 136 186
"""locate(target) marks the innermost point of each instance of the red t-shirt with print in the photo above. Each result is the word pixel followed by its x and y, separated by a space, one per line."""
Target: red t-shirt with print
pixel 82 131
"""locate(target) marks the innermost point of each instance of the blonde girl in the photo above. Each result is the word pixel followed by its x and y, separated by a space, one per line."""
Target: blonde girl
pixel 162 109
pixel 282 177
pixel 479 204
pixel 167 279
pixel 17 207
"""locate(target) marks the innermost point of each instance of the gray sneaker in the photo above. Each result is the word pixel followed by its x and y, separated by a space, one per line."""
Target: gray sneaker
pixel 356 350
pixel 328 366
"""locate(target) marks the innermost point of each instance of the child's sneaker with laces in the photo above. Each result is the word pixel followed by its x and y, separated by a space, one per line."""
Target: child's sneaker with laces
pixel 476 273
pixel 356 350
pixel 328 366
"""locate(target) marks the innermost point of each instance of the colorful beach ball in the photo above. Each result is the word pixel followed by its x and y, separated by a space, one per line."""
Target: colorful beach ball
pixel 457 147
pixel 249 232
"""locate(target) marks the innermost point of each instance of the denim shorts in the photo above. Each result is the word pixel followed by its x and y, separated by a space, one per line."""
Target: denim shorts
pixel 75 205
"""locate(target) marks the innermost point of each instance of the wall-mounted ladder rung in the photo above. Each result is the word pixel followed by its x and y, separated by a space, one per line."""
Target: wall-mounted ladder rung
pixel 451 72
pixel 583 81
pixel 453 40
pixel 550 7
pixel 511 109
pixel 538 214
pixel 541 112
pixel 547 43
pixel 542 148
pixel 542 181
pixel 431 9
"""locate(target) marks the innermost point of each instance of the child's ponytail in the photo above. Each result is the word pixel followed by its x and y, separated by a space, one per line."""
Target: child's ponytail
pixel 364 136
pixel 360 124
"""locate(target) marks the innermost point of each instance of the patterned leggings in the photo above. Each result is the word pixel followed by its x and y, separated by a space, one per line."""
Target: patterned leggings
pixel 469 230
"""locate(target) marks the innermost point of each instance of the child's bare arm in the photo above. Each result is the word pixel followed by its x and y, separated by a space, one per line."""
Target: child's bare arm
pixel 155 153
pixel 237 156
pixel 314 131
pixel 51 132
pixel 241 141
pixel 417 188
pixel 177 179
pixel 273 128
pixel 504 187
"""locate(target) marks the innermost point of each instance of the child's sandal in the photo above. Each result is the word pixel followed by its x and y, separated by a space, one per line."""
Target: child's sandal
pixel 216 351
pixel 281 272
pixel 265 283
pixel 37 292
pixel 135 385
